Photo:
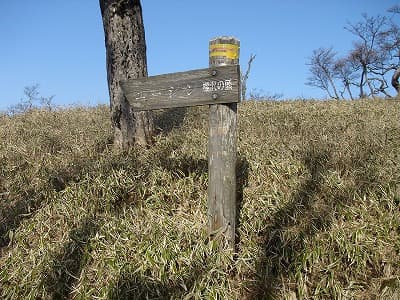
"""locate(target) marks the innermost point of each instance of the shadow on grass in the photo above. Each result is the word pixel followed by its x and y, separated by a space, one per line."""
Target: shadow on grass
pixel 74 255
pixel 242 179
pixel 280 248
pixel 68 264
pixel 19 207
pixel 309 212
pixel 135 286
pixel 185 165
pixel 169 119
pixel 11 216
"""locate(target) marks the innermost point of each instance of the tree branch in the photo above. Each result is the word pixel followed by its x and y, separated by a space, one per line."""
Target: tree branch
pixel 245 76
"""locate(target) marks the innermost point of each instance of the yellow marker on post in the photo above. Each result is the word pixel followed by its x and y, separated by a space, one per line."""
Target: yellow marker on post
pixel 225 50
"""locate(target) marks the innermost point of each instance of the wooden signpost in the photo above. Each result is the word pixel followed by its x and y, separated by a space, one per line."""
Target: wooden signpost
pixel 219 87
pixel 219 84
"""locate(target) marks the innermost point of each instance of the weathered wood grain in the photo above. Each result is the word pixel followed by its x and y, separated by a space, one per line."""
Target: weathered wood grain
pixel 219 84
pixel 222 150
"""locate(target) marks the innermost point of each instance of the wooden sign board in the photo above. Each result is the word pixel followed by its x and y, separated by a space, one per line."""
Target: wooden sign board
pixel 215 85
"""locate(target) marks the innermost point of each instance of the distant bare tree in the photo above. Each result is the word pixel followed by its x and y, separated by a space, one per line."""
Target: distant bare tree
pixel 30 100
pixel 345 73
pixel 47 102
pixel 323 72
pixel 244 76
pixel 27 103
pixel 260 95
pixel 368 66
pixel 31 93
pixel 366 52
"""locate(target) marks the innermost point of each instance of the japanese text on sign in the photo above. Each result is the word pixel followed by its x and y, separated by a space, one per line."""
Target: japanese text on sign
pixel 220 85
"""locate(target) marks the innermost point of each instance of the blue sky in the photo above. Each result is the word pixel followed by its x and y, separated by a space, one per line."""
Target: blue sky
pixel 59 44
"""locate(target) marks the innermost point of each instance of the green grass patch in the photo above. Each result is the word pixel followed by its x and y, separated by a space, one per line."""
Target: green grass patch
pixel 318 185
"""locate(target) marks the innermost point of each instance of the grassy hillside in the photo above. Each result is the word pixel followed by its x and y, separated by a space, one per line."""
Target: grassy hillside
pixel 319 191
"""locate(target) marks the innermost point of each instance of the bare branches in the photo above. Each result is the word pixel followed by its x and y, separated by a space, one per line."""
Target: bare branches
pixel 375 54
pixel 323 72
pixel 345 73
pixel 30 101
pixel 394 9
pixel 245 76
pixel 368 30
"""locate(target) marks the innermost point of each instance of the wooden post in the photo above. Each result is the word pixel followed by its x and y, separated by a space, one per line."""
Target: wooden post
pixel 222 149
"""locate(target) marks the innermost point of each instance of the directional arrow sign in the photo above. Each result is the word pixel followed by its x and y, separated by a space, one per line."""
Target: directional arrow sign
pixel 214 85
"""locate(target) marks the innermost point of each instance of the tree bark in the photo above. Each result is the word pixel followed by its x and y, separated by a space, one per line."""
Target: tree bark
pixel 333 87
pixel 347 85
pixel 362 82
pixel 395 81
pixel 126 58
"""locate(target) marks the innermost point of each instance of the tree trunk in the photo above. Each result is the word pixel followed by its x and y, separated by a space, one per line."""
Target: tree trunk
pixel 126 58
pixel 371 89
pixel 347 88
pixel 395 82
pixel 362 82
pixel 333 87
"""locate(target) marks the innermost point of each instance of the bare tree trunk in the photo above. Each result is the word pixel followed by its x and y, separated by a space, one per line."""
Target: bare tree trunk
pixel 126 58
pixel 334 88
pixel 362 78
pixel 395 82
pixel 347 86
pixel 371 89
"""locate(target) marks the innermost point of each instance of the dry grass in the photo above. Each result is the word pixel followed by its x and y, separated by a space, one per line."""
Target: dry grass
pixel 319 191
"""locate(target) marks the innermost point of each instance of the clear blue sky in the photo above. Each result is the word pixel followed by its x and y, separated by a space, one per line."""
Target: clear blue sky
pixel 59 44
